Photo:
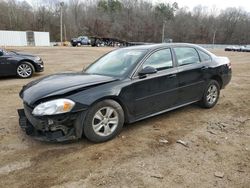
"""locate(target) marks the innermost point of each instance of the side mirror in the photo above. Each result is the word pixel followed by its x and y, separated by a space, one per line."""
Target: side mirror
pixel 147 70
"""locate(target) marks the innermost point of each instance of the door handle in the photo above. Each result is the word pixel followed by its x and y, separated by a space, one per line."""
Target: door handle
pixel 172 76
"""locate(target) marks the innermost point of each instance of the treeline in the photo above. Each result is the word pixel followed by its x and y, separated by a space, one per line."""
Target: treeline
pixel 130 20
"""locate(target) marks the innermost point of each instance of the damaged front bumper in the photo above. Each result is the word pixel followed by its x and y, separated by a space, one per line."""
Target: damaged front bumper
pixel 56 128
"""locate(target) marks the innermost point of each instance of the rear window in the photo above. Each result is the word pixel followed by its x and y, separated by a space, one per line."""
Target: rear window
pixel 186 55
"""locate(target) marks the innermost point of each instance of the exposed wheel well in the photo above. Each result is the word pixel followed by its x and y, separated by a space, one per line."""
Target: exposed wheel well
pixel 218 79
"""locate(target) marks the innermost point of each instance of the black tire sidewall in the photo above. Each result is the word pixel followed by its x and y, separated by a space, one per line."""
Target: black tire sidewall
pixel 30 65
pixel 204 99
pixel 87 127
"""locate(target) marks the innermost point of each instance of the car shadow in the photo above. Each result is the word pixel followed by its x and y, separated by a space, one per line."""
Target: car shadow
pixel 142 132
pixel 5 78
pixel 136 126
pixel 165 115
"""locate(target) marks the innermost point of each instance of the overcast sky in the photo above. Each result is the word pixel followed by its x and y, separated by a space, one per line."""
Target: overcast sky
pixel 220 4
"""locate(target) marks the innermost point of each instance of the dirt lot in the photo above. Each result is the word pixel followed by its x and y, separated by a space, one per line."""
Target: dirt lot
pixel 218 139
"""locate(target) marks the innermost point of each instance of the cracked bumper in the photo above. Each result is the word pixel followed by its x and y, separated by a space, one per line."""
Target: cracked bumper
pixel 57 128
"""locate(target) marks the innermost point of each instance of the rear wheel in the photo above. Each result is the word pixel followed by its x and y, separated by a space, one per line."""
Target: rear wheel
pixel 103 121
pixel 211 94
pixel 25 70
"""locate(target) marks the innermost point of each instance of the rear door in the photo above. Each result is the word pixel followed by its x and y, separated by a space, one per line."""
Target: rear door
pixel 190 74
pixel 1 63
pixel 155 92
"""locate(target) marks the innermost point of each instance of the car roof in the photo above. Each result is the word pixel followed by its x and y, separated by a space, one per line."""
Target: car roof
pixel 159 45
pixel 152 47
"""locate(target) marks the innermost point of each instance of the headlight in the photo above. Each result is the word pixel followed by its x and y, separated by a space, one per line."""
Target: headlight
pixel 58 106
pixel 37 58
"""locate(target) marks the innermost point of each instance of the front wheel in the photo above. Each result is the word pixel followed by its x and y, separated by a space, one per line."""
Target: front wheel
pixel 211 94
pixel 104 121
pixel 25 70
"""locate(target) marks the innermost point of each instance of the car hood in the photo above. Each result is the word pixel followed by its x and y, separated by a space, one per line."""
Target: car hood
pixel 60 84
pixel 22 54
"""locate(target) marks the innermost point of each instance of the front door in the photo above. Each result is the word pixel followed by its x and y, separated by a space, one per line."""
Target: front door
pixel 3 64
pixel 7 66
pixel 158 91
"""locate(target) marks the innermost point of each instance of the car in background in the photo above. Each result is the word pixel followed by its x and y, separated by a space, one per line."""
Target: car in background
pixel 19 64
pixel 242 48
pixel 238 48
pixel 246 48
pixel 124 86
pixel 229 48
pixel 81 40
pixel 233 48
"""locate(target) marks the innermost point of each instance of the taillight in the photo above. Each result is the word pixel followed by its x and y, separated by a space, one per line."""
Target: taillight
pixel 229 65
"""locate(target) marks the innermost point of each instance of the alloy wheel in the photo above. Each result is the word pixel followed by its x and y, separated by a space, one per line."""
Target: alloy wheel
pixel 24 70
pixel 212 94
pixel 105 121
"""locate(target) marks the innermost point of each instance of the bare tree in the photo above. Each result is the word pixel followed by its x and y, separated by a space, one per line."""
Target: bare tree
pixel 131 20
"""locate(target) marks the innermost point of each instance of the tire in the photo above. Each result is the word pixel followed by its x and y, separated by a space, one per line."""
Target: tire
pixel 25 70
pixel 104 120
pixel 211 94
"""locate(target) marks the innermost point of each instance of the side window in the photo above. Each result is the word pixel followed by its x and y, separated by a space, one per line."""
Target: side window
pixel 186 55
pixel 204 56
pixel 160 60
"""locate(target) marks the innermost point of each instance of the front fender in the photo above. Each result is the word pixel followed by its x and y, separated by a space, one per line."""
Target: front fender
pixel 111 90
pixel 91 95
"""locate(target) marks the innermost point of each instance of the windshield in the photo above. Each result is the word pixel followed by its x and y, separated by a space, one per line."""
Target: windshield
pixel 7 52
pixel 116 63
pixel 4 51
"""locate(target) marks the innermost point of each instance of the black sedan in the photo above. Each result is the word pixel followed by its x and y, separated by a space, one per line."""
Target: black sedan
pixel 18 64
pixel 123 86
